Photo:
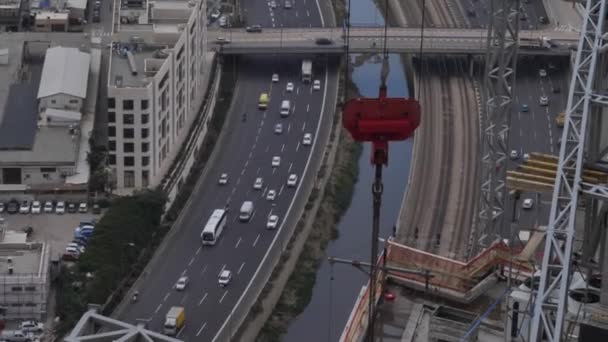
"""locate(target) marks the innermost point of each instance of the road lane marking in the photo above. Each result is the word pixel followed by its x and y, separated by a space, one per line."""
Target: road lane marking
pixel 280 191
pixel 199 249
pixel 184 299
pixel 259 130
pixel 256 240
pixel 307 13
pixel 191 261
pixel 204 270
pixel 166 296
pixel 290 166
pixel 282 148
pixel 307 108
pixel 303 127
pixel 203 299
pixel 298 90
pixel 222 270
pixel 238 181
pixel 258 171
pixel 243 170
pixel 293 109
pixel 273 170
pixel 224 295
pixel 184 272
pixel 201 329
pixel 240 268
pixel 158 308
pixel 238 243
pixel 288 127
pixel 267 148
pixel 298 147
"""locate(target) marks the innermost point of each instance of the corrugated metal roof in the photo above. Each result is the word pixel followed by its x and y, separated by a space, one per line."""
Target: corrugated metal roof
pixel 65 71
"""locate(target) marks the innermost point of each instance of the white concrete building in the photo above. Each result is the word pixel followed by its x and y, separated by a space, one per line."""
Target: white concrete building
pixel 64 80
pixel 155 88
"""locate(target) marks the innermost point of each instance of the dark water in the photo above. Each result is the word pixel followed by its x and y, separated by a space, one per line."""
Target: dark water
pixel 333 300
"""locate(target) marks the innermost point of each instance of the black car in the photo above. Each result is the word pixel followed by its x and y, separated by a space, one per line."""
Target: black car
pixel 72 208
pixel 13 207
pixel 254 28
pixel 323 41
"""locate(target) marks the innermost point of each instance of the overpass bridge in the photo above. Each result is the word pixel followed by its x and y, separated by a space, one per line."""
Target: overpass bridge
pixel 361 40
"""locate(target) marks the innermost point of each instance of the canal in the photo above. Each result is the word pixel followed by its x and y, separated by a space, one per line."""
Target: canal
pixel 332 300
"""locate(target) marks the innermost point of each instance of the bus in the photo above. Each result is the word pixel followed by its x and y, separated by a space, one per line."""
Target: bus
pixel 214 227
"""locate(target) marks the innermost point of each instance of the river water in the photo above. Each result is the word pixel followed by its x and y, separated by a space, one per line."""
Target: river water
pixel 332 300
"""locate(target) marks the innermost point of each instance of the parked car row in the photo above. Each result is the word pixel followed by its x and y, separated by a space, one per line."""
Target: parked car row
pixel 49 207
pixel 82 235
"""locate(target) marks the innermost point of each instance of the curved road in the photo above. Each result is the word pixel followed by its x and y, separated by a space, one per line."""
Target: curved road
pixel 245 154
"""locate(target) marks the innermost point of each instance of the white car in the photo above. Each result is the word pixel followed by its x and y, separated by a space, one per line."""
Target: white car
pixel 307 141
pixel 276 161
pixel 181 284
pixel 36 207
pixel 292 180
pixel 273 222
pixel 223 179
pixel 83 207
pixel 76 246
pixel 287 4
pixel 25 207
pixel 316 85
pixel 271 195
pixel 544 100
pixel 60 208
pixel 275 78
pixel 526 156
pixel 528 203
pixel 31 326
pixel 215 14
pixel 514 154
pixel 48 207
pixel 278 128
pixel 542 72
pixel 258 184
pixel 72 250
pixel 223 21
pixel 273 4
pixel 289 87
pixel 225 277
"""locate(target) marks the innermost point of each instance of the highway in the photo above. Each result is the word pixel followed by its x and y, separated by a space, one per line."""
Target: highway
pixel 478 13
pixel 246 152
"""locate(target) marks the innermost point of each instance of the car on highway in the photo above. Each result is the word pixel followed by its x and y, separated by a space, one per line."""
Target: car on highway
pixel 542 72
pixel 292 180
pixel 543 100
pixel 514 154
pixel 271 195
pixel 36 207
pixel 182 283
pixel 323 41
pixel 316 85
pixel 524 108
pixel 48 207
pixel 278 128
pixel 258 184
pixel 83 207
pixel 287 4
pixel 60 208
pixel 528 203
pixel 216 14
pixel 289 87
pixel 224 278
pixel 273 222
pixel 254 29
pixel 272 4
pixel 223 21
pixel 526 156
pixel 223 179
pixel 24 208
pixel 276 161
pixel 275 78
pixel 307 140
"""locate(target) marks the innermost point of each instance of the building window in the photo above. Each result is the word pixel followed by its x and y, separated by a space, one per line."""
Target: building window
pixel 145 161
pixel 129 179
pixel 163 129
pixel 111 102
pixel 128 147
pixel 127 132
pixel 145 174
pixel 144 133
pixel 48 169
pixel 111 159
pixel 111 131
pixel 145 118
pixel 145 147
pixel 127 119
pixel 111 117
pixel 17 305
pixel 112 145
pixel 74 101
pixel 30 288
pixel 163 100
pixel 144 104
pixel 129 161
pixel 127 104
pixel 30 304
pixel 16 288
pixel 53 101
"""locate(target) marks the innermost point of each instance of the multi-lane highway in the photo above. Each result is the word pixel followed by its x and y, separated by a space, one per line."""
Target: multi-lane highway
pixel 245 153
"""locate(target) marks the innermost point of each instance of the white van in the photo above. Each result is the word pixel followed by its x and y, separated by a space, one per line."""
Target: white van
pixel 285 107
pixel 246 211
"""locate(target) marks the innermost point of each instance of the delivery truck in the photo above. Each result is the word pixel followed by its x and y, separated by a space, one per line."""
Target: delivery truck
pixel 174 321
pixel 306 71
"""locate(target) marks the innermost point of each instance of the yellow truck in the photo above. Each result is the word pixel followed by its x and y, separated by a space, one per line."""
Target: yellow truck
pixel 560 119
pixel 174 321
pixel 263 102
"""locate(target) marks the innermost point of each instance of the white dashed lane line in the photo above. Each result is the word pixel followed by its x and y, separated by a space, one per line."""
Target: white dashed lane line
pixel 256 240
pixel 202 299
pixel 201 329
pixel 223 296
pixel 241 268
pixel 238 243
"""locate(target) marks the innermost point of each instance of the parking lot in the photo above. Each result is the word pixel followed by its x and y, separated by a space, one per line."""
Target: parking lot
pixel 56 230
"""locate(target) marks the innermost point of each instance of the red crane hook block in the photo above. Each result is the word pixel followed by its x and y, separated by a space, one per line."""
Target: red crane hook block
pixel 381 120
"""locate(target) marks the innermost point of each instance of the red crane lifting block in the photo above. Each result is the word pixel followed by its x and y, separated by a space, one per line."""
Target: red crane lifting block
pixel 381 120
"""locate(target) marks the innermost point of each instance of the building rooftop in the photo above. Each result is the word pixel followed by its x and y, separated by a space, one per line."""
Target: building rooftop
pixel 52 146
pixel 18 125
pixel 48 15
pixel 23 257
pixel 80 4
pixel 121 74
pixel 66 71
pixel 9 71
